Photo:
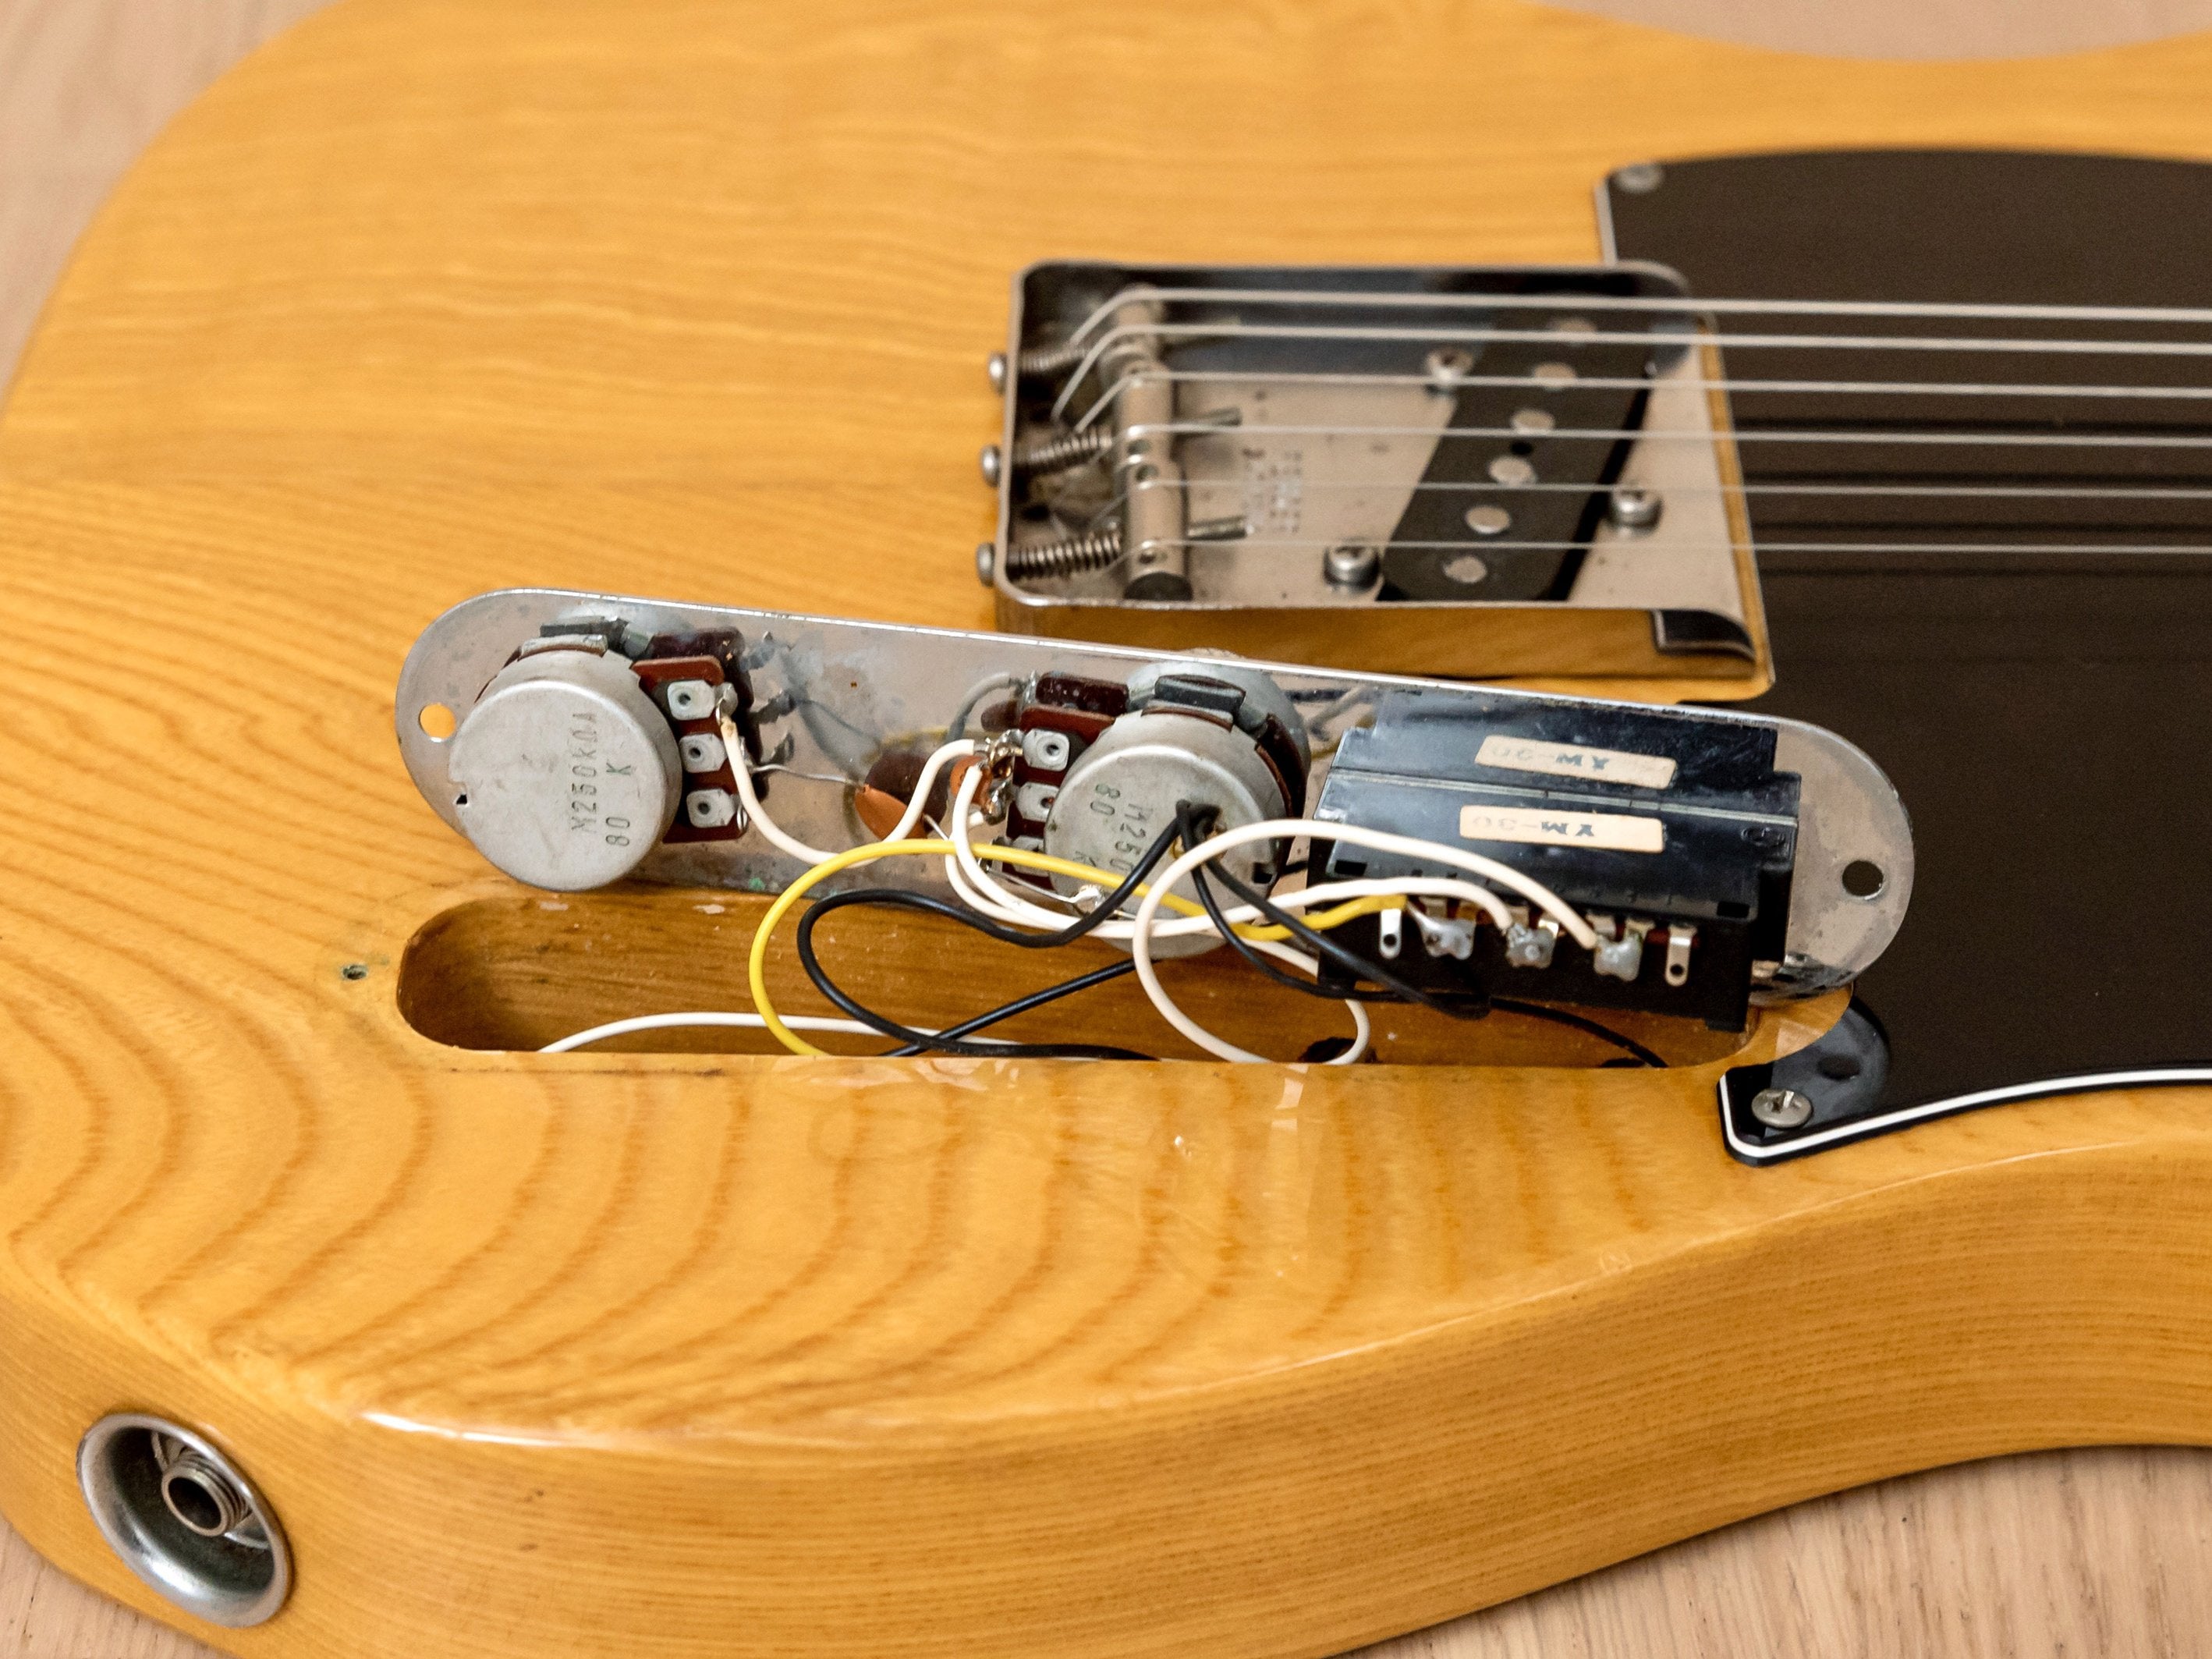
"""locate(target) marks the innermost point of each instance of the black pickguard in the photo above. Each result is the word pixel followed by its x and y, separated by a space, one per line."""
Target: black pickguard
pixel 2045 718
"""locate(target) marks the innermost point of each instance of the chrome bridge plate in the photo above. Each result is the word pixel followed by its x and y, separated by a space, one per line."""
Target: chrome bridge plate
pixel 1477 472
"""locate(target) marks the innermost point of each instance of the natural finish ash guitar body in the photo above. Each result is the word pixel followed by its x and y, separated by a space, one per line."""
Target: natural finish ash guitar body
pixel 695 1352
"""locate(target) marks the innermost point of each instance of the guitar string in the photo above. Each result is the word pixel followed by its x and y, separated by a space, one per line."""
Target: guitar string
pixel 1169 334
pixel 1615 435
pixel 1543 392
pixel 1483 487
pixel 1669 307
pixel 1494 494
pixel 1273 378
pixel 1489 544
pixel 1674 304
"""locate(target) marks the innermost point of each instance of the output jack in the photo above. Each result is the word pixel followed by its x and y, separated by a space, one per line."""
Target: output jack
pixel 185 1518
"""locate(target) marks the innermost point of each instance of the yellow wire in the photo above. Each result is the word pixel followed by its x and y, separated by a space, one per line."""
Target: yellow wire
pixel 757 968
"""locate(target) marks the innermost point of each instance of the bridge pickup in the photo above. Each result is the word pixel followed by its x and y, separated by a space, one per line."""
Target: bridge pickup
pixel 1481 470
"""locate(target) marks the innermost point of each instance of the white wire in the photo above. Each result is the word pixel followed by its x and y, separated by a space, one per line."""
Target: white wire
pixel 1002 905
pixel 984 907
pixel 783 842
pixel 1301 898
pixel 1380 841
pixel 800 850
pixel 939 758
pixel 756 814
pixel 983 894
pixel 1362 1029
pixel 614 1028
pixel 980 892
pixel 1008 907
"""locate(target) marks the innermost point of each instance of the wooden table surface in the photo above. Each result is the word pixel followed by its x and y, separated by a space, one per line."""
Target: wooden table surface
pixel 2069 1552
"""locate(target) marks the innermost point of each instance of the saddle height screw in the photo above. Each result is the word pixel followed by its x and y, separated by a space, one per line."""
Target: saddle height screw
pixel 1781 1109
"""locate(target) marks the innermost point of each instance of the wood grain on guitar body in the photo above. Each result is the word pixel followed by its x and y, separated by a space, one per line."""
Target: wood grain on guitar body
pixel 364 1329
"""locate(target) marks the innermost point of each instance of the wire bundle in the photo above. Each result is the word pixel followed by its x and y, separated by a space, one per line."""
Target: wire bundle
pixel 1264 930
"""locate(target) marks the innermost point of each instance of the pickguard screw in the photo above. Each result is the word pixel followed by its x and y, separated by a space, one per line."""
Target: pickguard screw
pixel 1781 1109
pixel 1640 179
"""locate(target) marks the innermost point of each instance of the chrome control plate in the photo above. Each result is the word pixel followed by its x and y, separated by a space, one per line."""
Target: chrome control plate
pixel 828 697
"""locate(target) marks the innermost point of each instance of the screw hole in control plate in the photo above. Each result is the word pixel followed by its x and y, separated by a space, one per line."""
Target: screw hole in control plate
pixel 437 720
pixel 1865 879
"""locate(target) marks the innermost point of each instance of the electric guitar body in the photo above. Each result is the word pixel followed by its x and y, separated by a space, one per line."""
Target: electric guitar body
pixel 683 1345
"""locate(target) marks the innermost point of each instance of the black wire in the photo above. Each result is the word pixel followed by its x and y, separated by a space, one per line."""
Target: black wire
pixel 1067 988
pixel 1260 960
pixel 1352 962
pixel 1100 913
pixel 1192 826
pixel 898 899
pixel 1194 823
pixel 948 1041
pixel 1561 1016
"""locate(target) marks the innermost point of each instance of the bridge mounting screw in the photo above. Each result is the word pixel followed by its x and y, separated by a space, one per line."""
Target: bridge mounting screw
pixel 986 561
pixel 1634 507
pixel 1781 1109
pixel 1351 565
pixel 995 366
pixel 1447 366
pixel 993 465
